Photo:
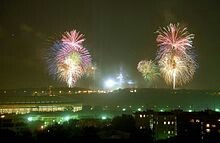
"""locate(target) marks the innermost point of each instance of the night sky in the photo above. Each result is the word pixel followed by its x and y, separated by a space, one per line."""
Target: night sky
pixel 119 33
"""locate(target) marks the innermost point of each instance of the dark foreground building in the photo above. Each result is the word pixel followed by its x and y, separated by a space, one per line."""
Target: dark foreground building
pixel 196 126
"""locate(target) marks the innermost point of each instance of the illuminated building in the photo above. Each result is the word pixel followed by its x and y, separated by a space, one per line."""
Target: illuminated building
pixel 27 104
pixel 163 124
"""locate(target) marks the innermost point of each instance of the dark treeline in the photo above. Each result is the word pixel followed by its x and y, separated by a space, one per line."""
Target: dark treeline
pixel 119 129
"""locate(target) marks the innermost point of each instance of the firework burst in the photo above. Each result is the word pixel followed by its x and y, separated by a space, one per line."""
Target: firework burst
pixel 148 69
pixel 173 38
pixel 68 60
pixel 175 57
pixel 177 69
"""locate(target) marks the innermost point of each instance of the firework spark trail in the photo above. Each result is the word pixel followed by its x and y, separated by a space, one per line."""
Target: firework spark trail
pixel 175 56
pixel 73 38
pixel 68 60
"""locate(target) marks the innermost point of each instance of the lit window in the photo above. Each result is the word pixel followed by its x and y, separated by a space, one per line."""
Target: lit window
pixel 207 125
pixel 164 123
pixel 140 116
pixel 197 120
pixel 172 122
pixel 208 130
pixel 143 115
pixel 192 120
pixel 168 122
pixel 213 126
pixel 168 132
pixel 141 127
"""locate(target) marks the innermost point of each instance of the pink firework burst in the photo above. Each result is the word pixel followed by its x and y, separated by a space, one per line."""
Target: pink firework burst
pixel 173 38
pixel 73 38
pixel 68 60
